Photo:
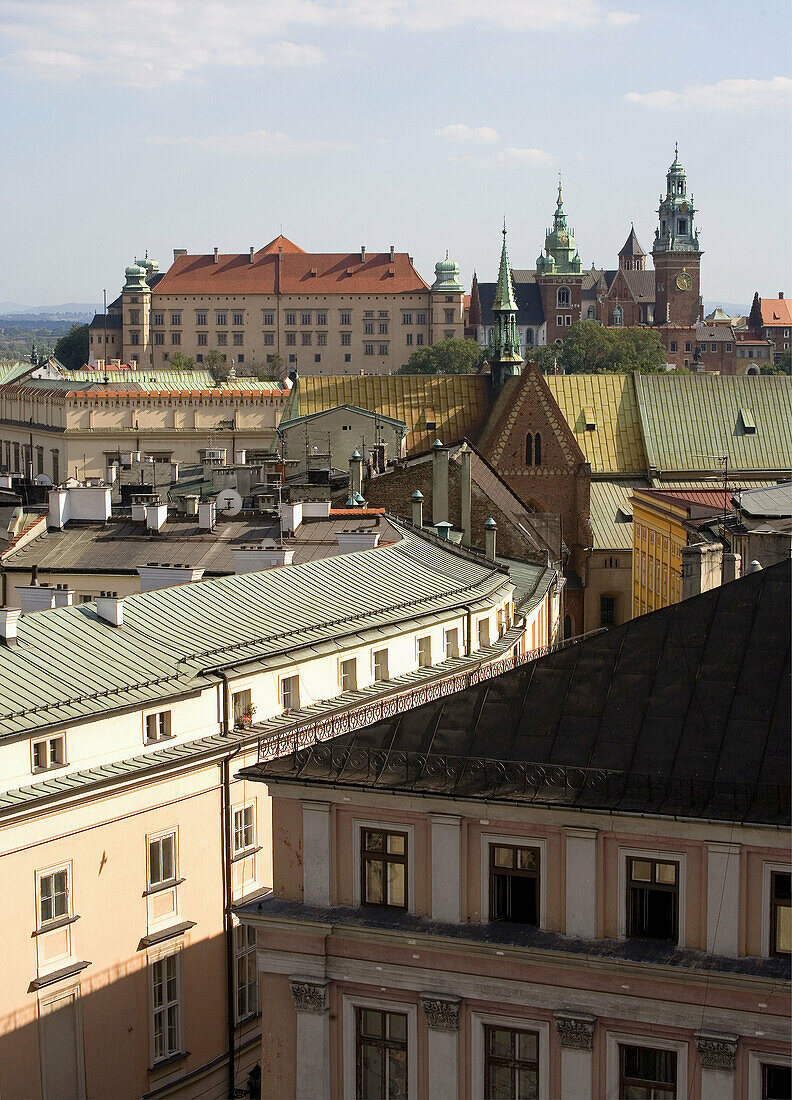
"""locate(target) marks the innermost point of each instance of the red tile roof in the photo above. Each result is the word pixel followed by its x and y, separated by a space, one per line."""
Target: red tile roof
pixel 775 311
pixel 292 271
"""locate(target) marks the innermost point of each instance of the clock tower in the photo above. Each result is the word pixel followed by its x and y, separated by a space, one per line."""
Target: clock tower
pixel 676 254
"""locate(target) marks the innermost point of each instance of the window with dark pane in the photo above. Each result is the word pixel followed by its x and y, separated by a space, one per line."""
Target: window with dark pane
pixel 653 899
pixel 647 1074
pixel 780 914
pixel 511 1064
pixel 384 868
pixel 514 884
pixel 776 1082
pixel 381 1054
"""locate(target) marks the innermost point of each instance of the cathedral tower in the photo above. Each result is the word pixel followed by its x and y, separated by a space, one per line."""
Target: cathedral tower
pixel 676 254
pixel 504 350
pixel 559 273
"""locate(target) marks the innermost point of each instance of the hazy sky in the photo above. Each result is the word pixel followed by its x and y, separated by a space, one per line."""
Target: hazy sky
pixel 420 123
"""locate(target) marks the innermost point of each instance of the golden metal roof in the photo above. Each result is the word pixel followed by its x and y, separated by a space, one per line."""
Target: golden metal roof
pixel 615 444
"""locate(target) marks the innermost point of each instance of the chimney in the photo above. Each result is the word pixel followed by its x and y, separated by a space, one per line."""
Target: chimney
pixel 35 597
pixel 58 513
pixel 443 529
pixel 350 541
pixel 753 566
pixel 490 530
pixel 291 516
pixel 111 609
pixel 465 494
pixel 362 253
pixel 253 559
pixel 156 515
pixel 780 294
pixel 159 575
pixel 702 568
pixel 417 508
pixel 9 617
pixel 178 252
pixel 731 567
pixel 190 504
pixel 355 473
pixel 64 597
pixel 251 253
pixel 216 255
pixel 439 483
pixel 207 513
pixel 392 252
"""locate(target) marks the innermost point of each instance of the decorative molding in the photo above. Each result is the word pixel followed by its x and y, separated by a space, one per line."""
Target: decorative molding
pixel 716 1051
pixel 575 1030
pixel 441 1011
pixel 310 994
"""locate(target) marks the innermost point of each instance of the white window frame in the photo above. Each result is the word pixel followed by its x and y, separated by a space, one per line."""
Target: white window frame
pixel 240 810
pixel 153 959
pixel 384 826
pixel 478 1020
pixel 419 638
pixel 47 741
pixel 767 871
pixel 293 676
pixel 513 840
pixel 665 857
pixel 615 1039
pixel 157 714
pixel 249 949
pixel 755 1060
pixel 487 620
pixel 341 662
pixel 374 652
pixel 152 838
pixel 349 1003
pixel 46 872
pixel 446 632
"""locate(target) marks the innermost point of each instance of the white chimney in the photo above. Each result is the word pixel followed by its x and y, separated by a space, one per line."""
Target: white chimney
pixel 64 597
pixel 207 515
pixel 350 541
pixel 731 567
pixel 239 457
pixel 316 509
pixel 392 252
pixel 362 253
pixel 9 617
pixel 291 516
pixel 490 532
pixel 58 514
pixel 417 508
pixel 439 483
pixel 156 516
pixel 216 255
pixel 35 597
pixel 139 512
pixel 5 481
pixel 111 609
pixel 190 505
pixel 179 252
pixel 88 502
pixel 702 567
pixel 355 472
pixel 110 474
pixel 253 559
pixel 465 455
pixel 251 253
pixel 156 575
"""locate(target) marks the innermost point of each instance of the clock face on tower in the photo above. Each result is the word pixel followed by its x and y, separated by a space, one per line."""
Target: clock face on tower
pixel 563 238
pixel 684 281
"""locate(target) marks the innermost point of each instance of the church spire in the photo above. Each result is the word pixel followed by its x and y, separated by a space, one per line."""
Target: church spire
pixel 504 288
pixel 504 347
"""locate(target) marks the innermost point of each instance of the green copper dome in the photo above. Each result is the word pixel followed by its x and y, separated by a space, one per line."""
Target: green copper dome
pixel 136 276
pixel 562 256
pixel 447 277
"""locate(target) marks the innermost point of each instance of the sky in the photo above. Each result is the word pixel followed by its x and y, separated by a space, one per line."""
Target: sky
pixel 162 124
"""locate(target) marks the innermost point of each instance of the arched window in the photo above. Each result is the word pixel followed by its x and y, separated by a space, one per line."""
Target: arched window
pixel 529 450
pixel 529 337
pixel 537 450
pixel 590 314
pixel 563 295
pixel 617 316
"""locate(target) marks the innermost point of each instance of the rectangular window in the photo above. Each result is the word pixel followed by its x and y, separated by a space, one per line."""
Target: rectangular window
pixel 53 896
pixel 687 346
pixel 382 328
pixel 409 339
pixel 380 1054
pixel 776 1082
pixel 134 316
pixel 321 339
pixel 267 317
pixel 346 318
pixel 607 610
pixel 780 913
pixel 452 643
pixel 419 339
pixel 291 339
pixel 672 346
pixel 380 657
pixel 713 347
pixel 158 319
pixel 49 753
pixel 291 318
pixel 346 339
pixel 728 347
pixel 290 692
pixel 242 705
pixel 560 321
pixel 246 976
pixel 159 338
pixel 158 726
pixel 222 339
pixel 317 358
pixel 321 318
pixel 244 830
pixel 511 1063
pixel 514 884
pixel 269 339
pixel 240 359
pixel 368 312
pixel 420 319
pixel 368 349
pixel 221 319
pixel 424 650
pixel 134 338
pixel 383 313
pixel 647 1074
pixel 305 318
pixel 203 339
pixel 162 859
pixel 449 316
pixel 166 1007
pixel 237 318
pixel 306 339
pixel 383 873
pixel 348 675
pixel 238 339
pixel 653 899
pixel 483 633
pixel 407 318
pixel 175 318
pixel 383 349
pixel 368 328
pixel 347 358
pixel 175 338
pixel 201 317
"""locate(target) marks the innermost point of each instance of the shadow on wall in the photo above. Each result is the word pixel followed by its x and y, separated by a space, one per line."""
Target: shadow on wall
pixel 93 1035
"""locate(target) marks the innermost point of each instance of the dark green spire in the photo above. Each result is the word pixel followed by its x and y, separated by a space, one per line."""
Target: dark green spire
pixel 504 288
pixel 504 349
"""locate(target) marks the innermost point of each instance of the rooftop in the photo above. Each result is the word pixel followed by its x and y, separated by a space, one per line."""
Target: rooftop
pixel 684 711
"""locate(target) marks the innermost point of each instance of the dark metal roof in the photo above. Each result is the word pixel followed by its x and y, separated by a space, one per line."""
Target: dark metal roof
pixel 631 246
pixel 529 303
pixel 774 502
pixel 685 711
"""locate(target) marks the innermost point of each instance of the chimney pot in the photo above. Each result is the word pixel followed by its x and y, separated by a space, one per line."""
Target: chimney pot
pixel 439 483
pixel 780 294
pixel 392 252
pixel 216 255
pixel 417 508
pixel 251 253
pixel 111 609
pixel 362 253
pixel 490 532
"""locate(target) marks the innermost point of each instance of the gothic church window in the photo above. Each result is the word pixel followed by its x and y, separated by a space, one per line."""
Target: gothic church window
pixel 533 449
pixel 563 296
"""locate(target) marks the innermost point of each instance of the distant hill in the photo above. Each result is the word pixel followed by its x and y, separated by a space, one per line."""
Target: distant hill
pixel 67 309
pixel 727 307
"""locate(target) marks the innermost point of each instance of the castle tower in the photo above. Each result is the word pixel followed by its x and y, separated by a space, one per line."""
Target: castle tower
pixel 504 349
pixel 632 257
pixel 447 303
pixel 676 254
pixel 559 273
pixel 136 310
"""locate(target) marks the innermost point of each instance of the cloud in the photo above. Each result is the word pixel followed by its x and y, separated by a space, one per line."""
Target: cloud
pixel 525 156
pixel 258 143
pixel 725 95
pixel 621 18
pixel 479 135
pixel 151 43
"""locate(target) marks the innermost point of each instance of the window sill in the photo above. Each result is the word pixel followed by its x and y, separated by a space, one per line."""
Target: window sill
pixel 243 855
pixel 57 975
pixel 166 934
pixel 166 1063
pixel 52 926
pixel 162 886
pixel 158 740
pixel 51 768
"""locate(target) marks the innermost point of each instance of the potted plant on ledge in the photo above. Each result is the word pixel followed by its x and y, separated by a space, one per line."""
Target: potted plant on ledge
pixel 246 717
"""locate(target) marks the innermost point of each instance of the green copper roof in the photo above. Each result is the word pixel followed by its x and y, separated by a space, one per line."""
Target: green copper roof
pixel 447 277
pixel 562 256
pixel 504 288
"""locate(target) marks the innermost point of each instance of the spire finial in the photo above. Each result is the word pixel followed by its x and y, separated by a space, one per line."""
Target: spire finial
pixel 560 199
pixel 446 253
pixel 676 150
pixel 504 227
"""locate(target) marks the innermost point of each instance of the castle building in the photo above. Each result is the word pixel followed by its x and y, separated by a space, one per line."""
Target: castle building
pixel 317 313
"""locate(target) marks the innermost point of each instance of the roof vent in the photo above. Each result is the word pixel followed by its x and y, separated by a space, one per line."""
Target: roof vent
pixel 9 617
pixel 589 420
pixel 111 609
pixel 748 422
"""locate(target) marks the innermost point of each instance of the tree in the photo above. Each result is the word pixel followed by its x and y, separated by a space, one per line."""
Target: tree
pixel 451 356
pixel 72 349
pixel 215 361
pixel 588 348
pixel 181 362
pixel 783 366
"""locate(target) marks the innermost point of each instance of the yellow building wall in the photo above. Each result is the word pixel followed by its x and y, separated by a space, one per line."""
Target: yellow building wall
pixel 658 537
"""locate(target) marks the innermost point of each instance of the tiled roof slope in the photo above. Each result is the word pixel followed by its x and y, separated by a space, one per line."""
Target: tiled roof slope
pixel 611 512
pixel 530 310
pixel 456 404
pixel 689 420
pixel 615 444
pixel 70 664
pixel 683 711
pixel 776 311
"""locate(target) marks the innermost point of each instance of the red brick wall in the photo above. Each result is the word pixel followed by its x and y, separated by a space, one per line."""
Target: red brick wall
pixel 684 305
